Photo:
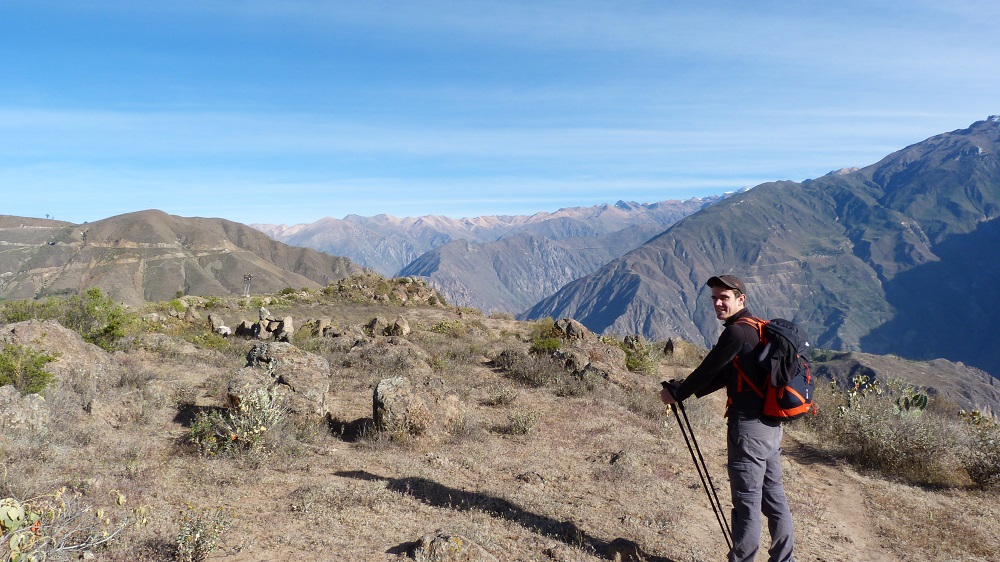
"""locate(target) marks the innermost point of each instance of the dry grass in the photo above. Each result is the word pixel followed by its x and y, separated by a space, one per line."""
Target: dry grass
pixel 532 469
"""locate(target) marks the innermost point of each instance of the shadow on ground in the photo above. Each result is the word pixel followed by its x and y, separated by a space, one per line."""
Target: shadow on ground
pixel 439 495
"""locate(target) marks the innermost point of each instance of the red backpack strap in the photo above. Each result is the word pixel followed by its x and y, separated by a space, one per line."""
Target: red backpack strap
pixel 755 322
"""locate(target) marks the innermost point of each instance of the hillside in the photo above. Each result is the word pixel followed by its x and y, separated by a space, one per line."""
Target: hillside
pixel 152 256
pixel 864 259
pixel 513 273
pixel 501 454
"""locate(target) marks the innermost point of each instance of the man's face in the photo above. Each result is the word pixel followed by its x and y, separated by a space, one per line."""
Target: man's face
pixel 726 302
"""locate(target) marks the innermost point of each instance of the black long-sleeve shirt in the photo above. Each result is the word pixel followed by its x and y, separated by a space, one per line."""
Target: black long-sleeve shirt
pixel 717 369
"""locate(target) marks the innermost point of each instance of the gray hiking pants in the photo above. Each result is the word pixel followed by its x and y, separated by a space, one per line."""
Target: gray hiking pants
pixel 755 479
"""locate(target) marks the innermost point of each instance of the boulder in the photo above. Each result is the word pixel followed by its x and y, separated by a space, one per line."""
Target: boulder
pixel 224 331
pixel 303 377
pixel 397 408
pixel 83 364
pixel 17 412
pixel 215 321
pixel 192 315
pixel 680 350
pixel 634 342
pixel 573 330
pixel 440 546
pixel 376 326
pixel 244 329
pixel 317 327
pixel 245 381
pixel 399 328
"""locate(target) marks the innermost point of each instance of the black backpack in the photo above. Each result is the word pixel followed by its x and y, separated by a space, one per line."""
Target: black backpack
pixel 787 388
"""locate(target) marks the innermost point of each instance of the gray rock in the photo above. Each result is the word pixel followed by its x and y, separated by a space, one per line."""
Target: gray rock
pixel 376 326
pixel 302 377
pixel 29 412
pixel 400 328
pixel 397 408
pixel 215 321
pixel 571 329
pixel 440 546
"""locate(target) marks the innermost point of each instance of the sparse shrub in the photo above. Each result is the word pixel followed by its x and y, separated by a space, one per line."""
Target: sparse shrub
pixel 576 384
pixel 500 394
pixel 878 427
pixel 465 426
pixel 59 524
pixel 240 429
pixel 199 533
pixel 454 328
pixel 983 461
pixel 520 422
pixel 24 368
pixel 210 340
pixel 530 369
pixel 287 291
pixel 641 358
pixel 645 403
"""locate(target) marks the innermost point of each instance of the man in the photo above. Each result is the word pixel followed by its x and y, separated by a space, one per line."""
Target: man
pixel 754 442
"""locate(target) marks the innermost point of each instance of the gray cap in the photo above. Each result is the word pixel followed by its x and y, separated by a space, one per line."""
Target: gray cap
pixel 728 282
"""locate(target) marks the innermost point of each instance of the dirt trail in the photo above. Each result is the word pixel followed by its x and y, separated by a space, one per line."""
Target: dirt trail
pixel 833 521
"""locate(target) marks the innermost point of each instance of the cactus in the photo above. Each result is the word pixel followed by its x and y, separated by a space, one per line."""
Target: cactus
pixel 11 515
pixel 912 402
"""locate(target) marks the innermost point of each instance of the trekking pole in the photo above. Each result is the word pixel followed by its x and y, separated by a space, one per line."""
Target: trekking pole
pixel 716 505
pixel 703 474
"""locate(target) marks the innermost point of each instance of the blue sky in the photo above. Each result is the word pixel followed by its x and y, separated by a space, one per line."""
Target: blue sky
pixel 290 111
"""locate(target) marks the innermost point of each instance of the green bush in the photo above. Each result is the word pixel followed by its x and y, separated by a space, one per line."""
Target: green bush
pixel 546 345
pixel 544 328
pixel 643 359
pixel 21 310
pixel 24 368
pixel 96 317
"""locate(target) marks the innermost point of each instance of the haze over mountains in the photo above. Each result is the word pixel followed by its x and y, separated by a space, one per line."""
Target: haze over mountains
pixel 503 263
pixel 896 257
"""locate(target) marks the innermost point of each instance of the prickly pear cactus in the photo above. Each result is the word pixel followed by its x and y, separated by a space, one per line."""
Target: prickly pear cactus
pixel 912 402
pixel 12 516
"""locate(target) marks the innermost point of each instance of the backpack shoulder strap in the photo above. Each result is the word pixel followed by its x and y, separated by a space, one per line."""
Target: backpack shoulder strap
pixel 755 323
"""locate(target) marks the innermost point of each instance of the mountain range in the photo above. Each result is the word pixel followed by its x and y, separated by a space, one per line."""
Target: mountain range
pixel 153 256
pixel 896 257
pixel 501 263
